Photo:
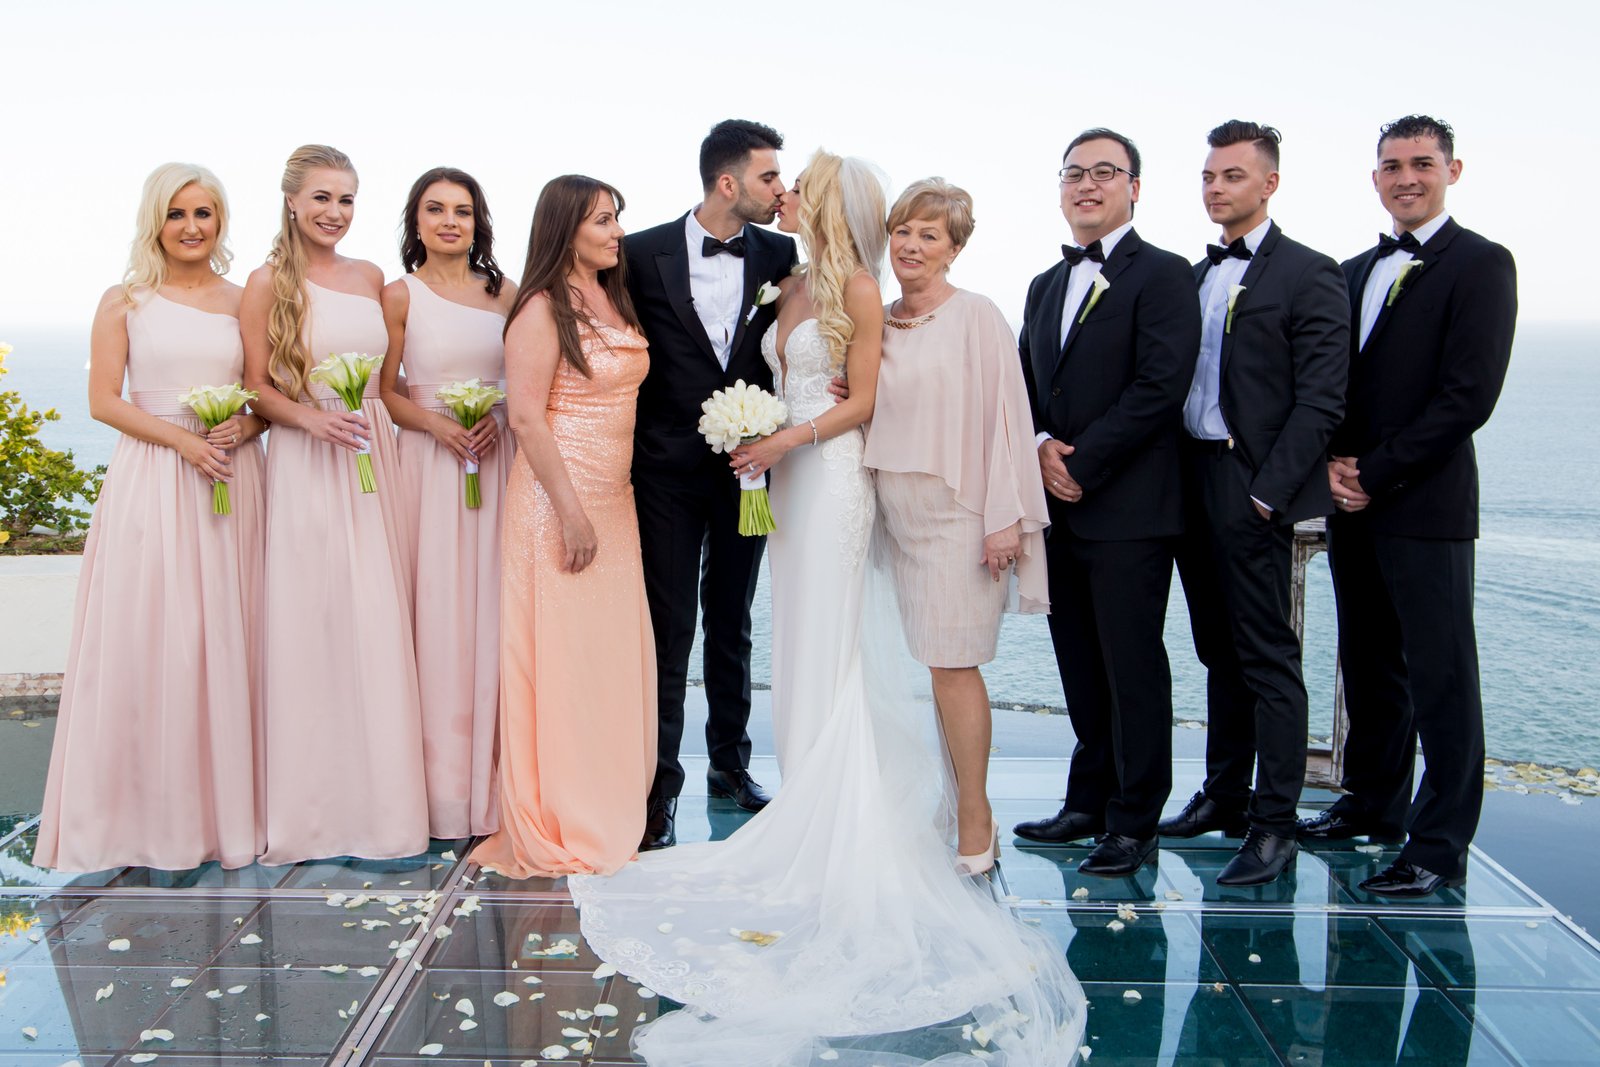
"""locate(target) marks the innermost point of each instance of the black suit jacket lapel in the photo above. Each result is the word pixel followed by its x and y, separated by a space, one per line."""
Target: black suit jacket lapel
pixel 1252 277
pixel 1426 257
pixel 755 263
pixel 1047 357
pixel 673 264
pixel 1114 265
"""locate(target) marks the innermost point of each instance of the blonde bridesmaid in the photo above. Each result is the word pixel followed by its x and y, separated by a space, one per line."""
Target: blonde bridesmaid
pixel 343 725
pixel 578 673
pixel 445 319
pixel 154 762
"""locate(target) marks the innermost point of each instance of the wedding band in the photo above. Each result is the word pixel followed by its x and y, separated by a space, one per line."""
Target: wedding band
pixel 1345 501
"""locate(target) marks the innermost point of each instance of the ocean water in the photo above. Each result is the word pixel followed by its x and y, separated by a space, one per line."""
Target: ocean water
pixel 1538 590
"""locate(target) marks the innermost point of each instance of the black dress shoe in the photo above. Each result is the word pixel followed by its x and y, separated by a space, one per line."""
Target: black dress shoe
pixel 1260 860
pixel 1402 879
pixel 1118 856
pixel 738 787
pixel 1336 825
pixel 660 829
pixel 1202 815
pixel 1061 828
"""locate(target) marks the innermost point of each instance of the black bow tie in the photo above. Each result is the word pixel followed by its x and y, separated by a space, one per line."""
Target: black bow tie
pixel 1075 255
pixel 1406 242
pixel 1236 248
pixel 734 246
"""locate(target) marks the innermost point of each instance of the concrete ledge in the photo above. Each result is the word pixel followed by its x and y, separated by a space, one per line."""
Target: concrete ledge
pixel 37 595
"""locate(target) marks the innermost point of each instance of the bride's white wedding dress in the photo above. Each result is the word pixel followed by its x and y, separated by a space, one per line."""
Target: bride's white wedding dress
pixel 832 927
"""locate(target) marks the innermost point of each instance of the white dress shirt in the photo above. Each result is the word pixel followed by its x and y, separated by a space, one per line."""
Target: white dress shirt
pixel 717 285
pixel 1386 271
pixel 1078 283
pixel 1202 411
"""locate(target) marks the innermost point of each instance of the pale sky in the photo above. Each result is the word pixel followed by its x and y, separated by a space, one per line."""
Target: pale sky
pixel 983 92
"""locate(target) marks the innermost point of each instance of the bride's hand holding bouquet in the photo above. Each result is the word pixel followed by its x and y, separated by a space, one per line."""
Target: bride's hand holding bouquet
pixel 742 420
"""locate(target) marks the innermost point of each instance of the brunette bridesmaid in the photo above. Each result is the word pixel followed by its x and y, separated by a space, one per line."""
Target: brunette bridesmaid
pixel 577 674
pixel 445 318
pixel 154 762
pixel 343 726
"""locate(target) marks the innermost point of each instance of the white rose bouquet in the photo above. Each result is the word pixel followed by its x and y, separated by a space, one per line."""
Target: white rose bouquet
pixel 347 375
pixel 214 405
pixel 743 414
pixel 471 400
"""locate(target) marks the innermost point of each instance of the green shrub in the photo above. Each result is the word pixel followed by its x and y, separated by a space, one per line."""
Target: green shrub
pixel 38 485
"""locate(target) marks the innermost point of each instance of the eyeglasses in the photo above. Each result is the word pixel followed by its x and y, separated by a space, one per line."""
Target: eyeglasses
pixel 1100 172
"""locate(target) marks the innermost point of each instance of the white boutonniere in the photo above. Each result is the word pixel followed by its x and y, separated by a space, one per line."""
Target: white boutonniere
pixel 1408 268
pixel 764 296
pixel 1100 286
pixel 1234 292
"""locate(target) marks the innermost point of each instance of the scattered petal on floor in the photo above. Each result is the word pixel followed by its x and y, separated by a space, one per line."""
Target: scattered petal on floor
pixel 554 1052
pixel 441 932
pixel 606 1011
pixel 468 1024
pixel 235 990
pixel 464 1006
pixel 101 994
pixel 448 855
pixel 214 994
pixel 1115 926
pixel 1081 893
pixel 430 1050
pixel 336 968
pixel 505 1000
pixel 573 1031
pixel 262 1016
pixel 156 1035
pixel 665 928
pixel 605 970
pixel 1173 894
pixel 120 944
pixel 143 1057
pixel 31 1033
pixel 531 980
pixel 645 993
pixel 182 983
pixel 1084 1052
pixel 250 939
pixel 1371 850
pixel 1132 996
pixel 1255 957
pixel 370 971
pixel 828 1054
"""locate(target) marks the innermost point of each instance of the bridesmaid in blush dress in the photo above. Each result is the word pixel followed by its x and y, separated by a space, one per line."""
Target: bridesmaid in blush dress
pixel 343 725
pixel 154 761
pixel 577 674
pixel 446 317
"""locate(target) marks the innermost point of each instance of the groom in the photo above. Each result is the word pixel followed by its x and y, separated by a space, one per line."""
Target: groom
pixel 693 283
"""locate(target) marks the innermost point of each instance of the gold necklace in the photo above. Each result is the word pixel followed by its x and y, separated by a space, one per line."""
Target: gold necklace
pixel 911 324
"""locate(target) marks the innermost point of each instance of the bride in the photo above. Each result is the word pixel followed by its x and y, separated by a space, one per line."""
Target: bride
pixel 833 928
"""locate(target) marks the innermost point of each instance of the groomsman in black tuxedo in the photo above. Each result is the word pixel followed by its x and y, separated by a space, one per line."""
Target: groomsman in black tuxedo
pixel 1432 312
pixel 694 282
pixel 1108 348
pixel 1268 390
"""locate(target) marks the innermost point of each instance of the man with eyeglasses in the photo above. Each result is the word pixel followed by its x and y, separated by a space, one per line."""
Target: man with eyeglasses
pixel 1108 349
pixel 1267 392
pixel 1432 311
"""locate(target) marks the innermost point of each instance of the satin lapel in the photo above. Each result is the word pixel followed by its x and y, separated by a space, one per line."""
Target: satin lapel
pixel 674 268
pixel 1252 275
pixel 1427 256
pixel 754 261
pixel 1121 256
pixel 1047 357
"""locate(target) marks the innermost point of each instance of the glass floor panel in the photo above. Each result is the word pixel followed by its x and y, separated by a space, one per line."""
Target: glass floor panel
pixel 342 963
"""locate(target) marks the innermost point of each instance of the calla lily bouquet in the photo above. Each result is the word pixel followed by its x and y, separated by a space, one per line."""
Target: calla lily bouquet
pixel 214 405
pixel 743 414
pixel 347 375
pixel 471 400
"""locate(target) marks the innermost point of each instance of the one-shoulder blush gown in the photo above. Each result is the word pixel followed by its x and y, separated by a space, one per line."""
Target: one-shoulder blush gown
pixel 832 928
pixel 155 757
pixel 343 726
pixel 577 657
pixel 455 563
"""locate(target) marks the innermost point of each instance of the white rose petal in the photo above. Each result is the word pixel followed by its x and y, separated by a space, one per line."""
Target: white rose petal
pixel 1255 958
pixel 448 855
pixel 1084 1052
pixel 665 928
pixel 646 993
pixel 262 1017
pixel 182 983
pixel 531 980
pixel 505 1000
pixel 214 994
pixel 828 1054
pixel 469 1024
pixel 143 1057
pixel 234 991
pixel 464 1006
pixel 1115 926
pixel 1132 996
pixel 605 970
pixel 336 968
pixel 103 993
pixel 156 1035
pixel 120 944
pixel 31 1033
pixel 370 971
pixel 606 1011
pixel 250 939
pixel 441 932
pixel 1173 894
pixel 430 1050
pixel 1081 893
pixel 573 1031
pixel 554 1052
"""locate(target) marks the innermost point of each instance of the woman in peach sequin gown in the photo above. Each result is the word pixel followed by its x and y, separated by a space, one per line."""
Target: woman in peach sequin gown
pixel 445 320
pixel 154 762
pixel 343 724
pixel 577 674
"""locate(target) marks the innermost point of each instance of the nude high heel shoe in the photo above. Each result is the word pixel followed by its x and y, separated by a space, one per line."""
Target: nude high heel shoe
pixel 983 862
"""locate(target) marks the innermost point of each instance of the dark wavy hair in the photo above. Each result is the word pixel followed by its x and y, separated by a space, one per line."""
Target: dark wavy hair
pixel 413 253
pixel 562 207
pixel 1413 126
pixel 729 144
pixel 1236 131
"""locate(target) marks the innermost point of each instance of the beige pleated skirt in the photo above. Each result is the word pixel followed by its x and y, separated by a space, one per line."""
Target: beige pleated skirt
pixel 949 605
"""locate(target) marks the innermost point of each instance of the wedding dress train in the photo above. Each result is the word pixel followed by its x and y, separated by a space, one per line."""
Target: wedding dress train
pixel 832 928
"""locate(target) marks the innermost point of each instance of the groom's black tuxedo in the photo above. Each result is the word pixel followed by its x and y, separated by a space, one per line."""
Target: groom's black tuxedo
pixel 1282 370
pixel 1426 379
pixel 687 498
pixel 1113 391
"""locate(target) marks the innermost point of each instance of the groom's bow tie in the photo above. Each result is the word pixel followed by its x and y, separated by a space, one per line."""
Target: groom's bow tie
pixel 1235 248
pixel 1075 255
pixel 734 246
pixel 1406 242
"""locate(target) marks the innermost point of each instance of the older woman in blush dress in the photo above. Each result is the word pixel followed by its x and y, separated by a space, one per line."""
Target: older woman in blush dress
pixel 957 482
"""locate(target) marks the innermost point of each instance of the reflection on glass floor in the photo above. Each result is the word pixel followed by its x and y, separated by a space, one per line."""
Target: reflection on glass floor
pixel 428 961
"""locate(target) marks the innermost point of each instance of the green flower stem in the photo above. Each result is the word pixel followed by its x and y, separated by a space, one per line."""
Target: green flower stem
pixel 220 502
pixel 369 484
pixel 755 513
pixel 474 496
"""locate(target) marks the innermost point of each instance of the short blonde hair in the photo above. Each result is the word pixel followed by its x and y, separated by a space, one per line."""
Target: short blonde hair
pixel 935 198
pixel 147 263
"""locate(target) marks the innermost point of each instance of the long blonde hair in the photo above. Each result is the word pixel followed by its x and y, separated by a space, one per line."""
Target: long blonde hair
pixel 841 225
pixel 147 263
pixel 290 362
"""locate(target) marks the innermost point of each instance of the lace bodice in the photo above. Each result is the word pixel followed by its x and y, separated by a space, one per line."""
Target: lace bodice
pixel 804 384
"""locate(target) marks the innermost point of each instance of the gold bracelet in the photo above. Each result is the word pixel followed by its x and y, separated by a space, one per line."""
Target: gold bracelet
pixel 814 435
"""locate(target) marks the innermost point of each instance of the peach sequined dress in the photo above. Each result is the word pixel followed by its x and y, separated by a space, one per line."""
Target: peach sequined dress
pixel 577 659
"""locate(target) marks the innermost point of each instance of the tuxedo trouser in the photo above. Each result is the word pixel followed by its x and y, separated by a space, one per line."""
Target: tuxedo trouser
pixel 1108 609
pixel 1235 567
pixel 1410 658
pixel 692 551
